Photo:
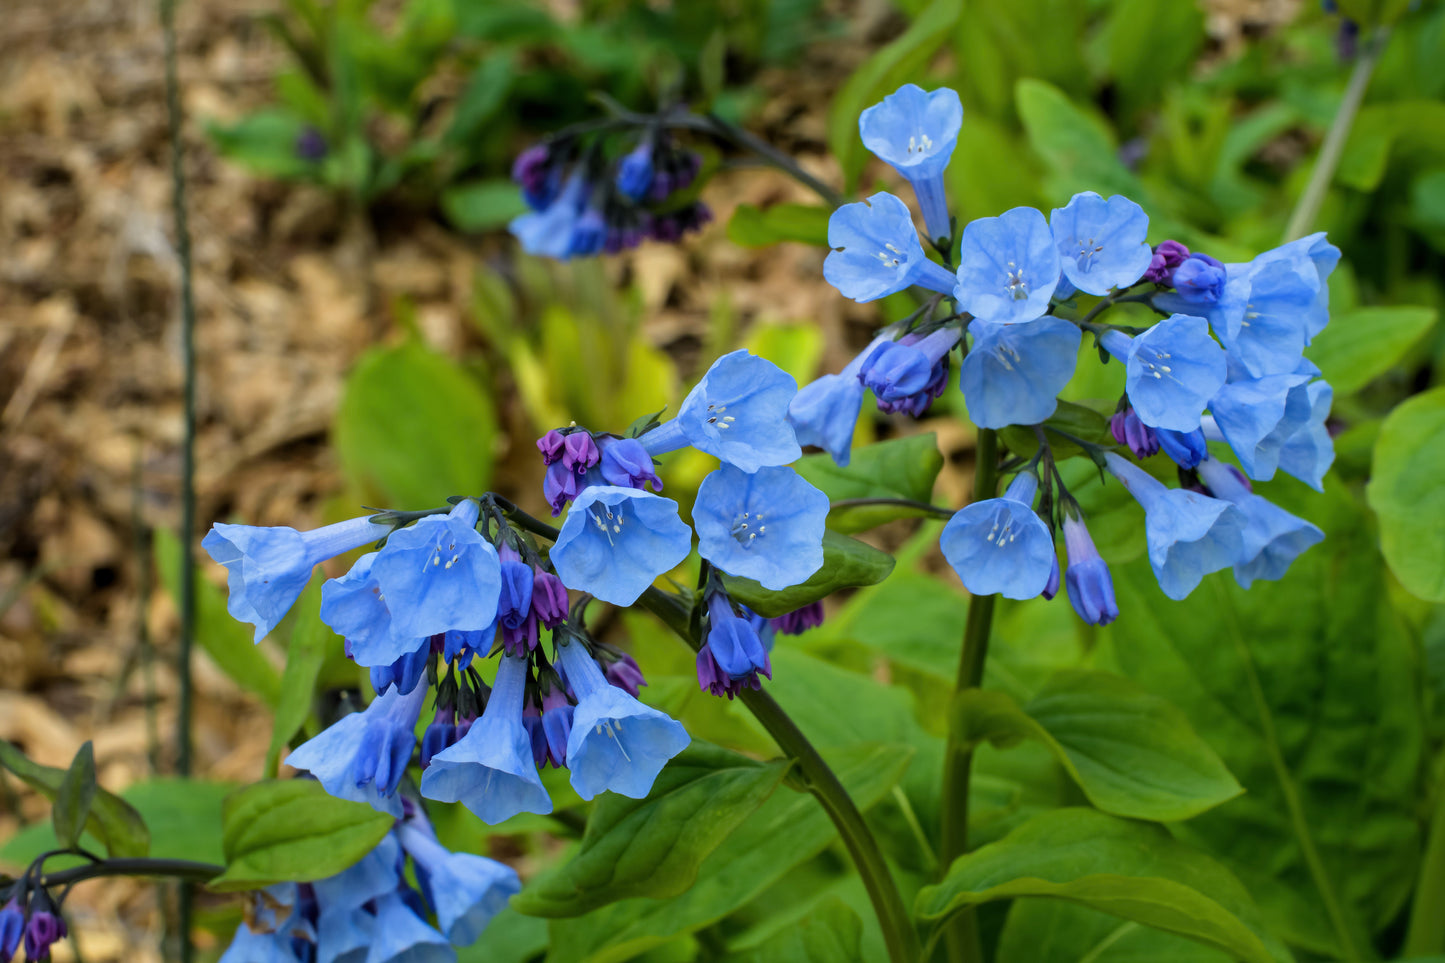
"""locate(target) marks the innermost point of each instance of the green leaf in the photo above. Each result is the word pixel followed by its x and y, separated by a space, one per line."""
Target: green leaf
pixel 1360 345
pixel 1382 129
pixel 415 428
pixel 1132 870
pixel 510 938
pixel 1132 753
pixel 1053 931
pixel 74 798
pixel 305 655
pixel 832 933
pixel 485 93
pixel 109 818
pixel 266 143
pixel 751 226
pixel 292 829
pixel 847 562
pixel 881 74
pixel 1140 63
pixel 1405 493
pixel 485 205
pixel 228 642
pixel 654 846
pixel 1078 147
pixel 1078 420
pixel 898 468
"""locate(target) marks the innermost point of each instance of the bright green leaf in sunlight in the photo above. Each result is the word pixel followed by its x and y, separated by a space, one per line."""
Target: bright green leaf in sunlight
pixel 1406 493
pixel 847 563
pixel 899 468
pixel 752 226
pixel 1360 345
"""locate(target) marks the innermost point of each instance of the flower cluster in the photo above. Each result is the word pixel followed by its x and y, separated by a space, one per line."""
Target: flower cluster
pixel 30 917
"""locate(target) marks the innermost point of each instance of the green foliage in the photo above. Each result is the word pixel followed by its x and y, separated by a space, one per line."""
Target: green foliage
pixel 899 468
pixel 847 563
pixel 1365 343
pixel 751 226
pixel 1054 931
pixel 74 797
pixel 107 817
pixel 1405 493
pixel 830 934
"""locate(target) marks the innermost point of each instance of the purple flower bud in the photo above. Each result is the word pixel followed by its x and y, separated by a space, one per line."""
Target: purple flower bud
pixel 713 680
pixel 515 599
pixel 1091 588
pixel 536 735
pixel 311 145
pixel 43 931
pixel 550 445
pixel 522 638
pixel 624 672
pixel 1200 279
pixel 626 464
pixel 438 736
pixel 549 599
pixel 1167 256
pixel 561 485
pixel 557 713
pixel 1051 588
pixel 1128 430
pixel 1186 448
pixel 579 451
pixel 800 620
pixel 538 176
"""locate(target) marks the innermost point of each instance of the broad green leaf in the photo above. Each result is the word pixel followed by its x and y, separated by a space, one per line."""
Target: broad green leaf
pixel 913 619
pixel 485 93
pixel 1070 418
pixel 832 933
pixel 509 938
pixel 292 829
pixel 752 226
pixel 1053 931
pixel 109 819
pixel 1133 870
pixel 1078 147
pixel 1405 493
pixel 1132 753
pixel 228 642
pixel 785 831
pixel 415 428
pixel 1381 129
pixel 654 846
pixel 74 797
pixel 899 468
pixel 476 206
pixel 1360 345
pixel 266 143
pixel 847 563
pixel 305 655
pixel 879 76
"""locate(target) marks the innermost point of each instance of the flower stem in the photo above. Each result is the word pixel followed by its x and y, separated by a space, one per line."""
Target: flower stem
pixel 1426 935
pixel 962 932
pixel 178 868
pixel 924 507
pixel 1313 197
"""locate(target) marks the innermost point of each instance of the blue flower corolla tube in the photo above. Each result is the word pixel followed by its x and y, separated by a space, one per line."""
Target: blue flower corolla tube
pixel 734 642
pixel 824 412
pixel 490 770
pixel 377 873
pixel 1258 416
pixel 1189 535
pixel 1000 546
pixel 896 371
pixel 1008 267
pixel 556 721
pixel 1185 448
pixel 616 541
pixel 767 525
pixel 439 575
pixel 461 647
pixel 738 413
pixel 400 935
pixel 1051 587
pixel 1014 372
pixel 548 232
pixel 1171 370
pixel 1310 451
pixel 12 927
pixel 1090 587
pixel 634 171
pixel 617 744
pixel 343 935
pixel 464 890
pixel 268 568
pixel 1132 433
pixel 404 673
pixel 353 607
pixel 915 132
pixel 363 756
pixel 514 601
pixel 1199 280
pixel 1272 538
pixel 1102 243
pixel 625 463
pixel 875 252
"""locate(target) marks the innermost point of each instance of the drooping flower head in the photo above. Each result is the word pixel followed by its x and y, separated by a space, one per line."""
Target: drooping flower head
pixel 800 620
pixel 626 464
pixel 440 574
pixel 1014 372
pixel 1101 242
pixel 615 541
pixel 824 413
pixel 1167 256
pixel 1272 538
pixel 634 171
pixel 1132 433
pixel 1310 450
pixel 464 890
pixel 547 232
pixel 12 927
pixel 1171 371
pixel 1257 416
pixel 875 252
pixel 1008 267
pixel 734 642
pixel 896 371
pixel 915 133
pixel 1000 545
pixel 1090 587
pixel 767 525
pixel 1185 448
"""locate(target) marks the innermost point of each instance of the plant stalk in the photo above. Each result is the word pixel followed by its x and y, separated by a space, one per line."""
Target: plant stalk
pixel 177 868
pixel 1426 935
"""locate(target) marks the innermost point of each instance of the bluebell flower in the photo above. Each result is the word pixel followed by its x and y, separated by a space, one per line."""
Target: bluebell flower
pixel 1199 280
pixel 1000 545
pixel 1189 535
pixel 824 413
pixel 514 601
pixel 616 541
pixel 548 232
pixel 617 744
pixel 734 642
pixel 797 621
pixel 440 574
pixel 252 946
pixel 1324 256
pixel 1258 416
pixel 1051 587
pixel 915 133
pixel 1310 451
pixel 1008 267
pixel 268 568
pixel 1102 243
pixel 343 935
pixel 767 525
pixel 404 673
pixel 621 669
pixel 561 485
pixel 589 233
pixel 1132 433
pixel 465 891
pixel 1014 372
pixel 538 174
pixel 738 413
pixel 625 463
pixel 12 927
pixel 400 935
pixel 377 873
pixel 1185 448
pixel 1090 587
pixel 354 609
pixel 875 252
pixel 490 769
pixel 1272 537
pixel 557 714
pixel 460 647
pixel 1171 370
pixel 549 599
pixel 897 370
pixel 634 171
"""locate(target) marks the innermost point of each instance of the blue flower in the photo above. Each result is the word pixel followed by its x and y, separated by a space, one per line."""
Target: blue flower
pixel 1310 450
pixel 1186 448
pixel 1014 372
pixel 738 413
pixel 404 673
pixel 1199 280
pixel 634 171
pixel 342 935
pixel 375 874
pixel 363 756
pixel 400 935
pixel 1000 545
pixel 615 541
pixel 1101 242
pixel 354 609
pixel 1008 267
pixel 1323 256
pixel 465 891
pixel 490 769
pixel 875 252
pixel 1258 416
pixel 1129 431
pixel 734 641
pixel 268 568
pixel 767 525
pixel 617 744
pixel 626 464
pixel 1189 535
pixel 556 724
pixel 250 946
pixel 438 575
pixel 896 371
pixel 915 133
pixel 1171 370
pixel 825 412
pixel 1090 587
pixel 548 232
pixel 1272 537
pixel 12 926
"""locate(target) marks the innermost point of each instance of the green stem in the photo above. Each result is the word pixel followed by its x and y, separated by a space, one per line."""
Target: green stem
pixel 1426 935
pixel 1313 197
pixel 175 868
pixel 934 510
pixel 893 916
pixel 962 932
